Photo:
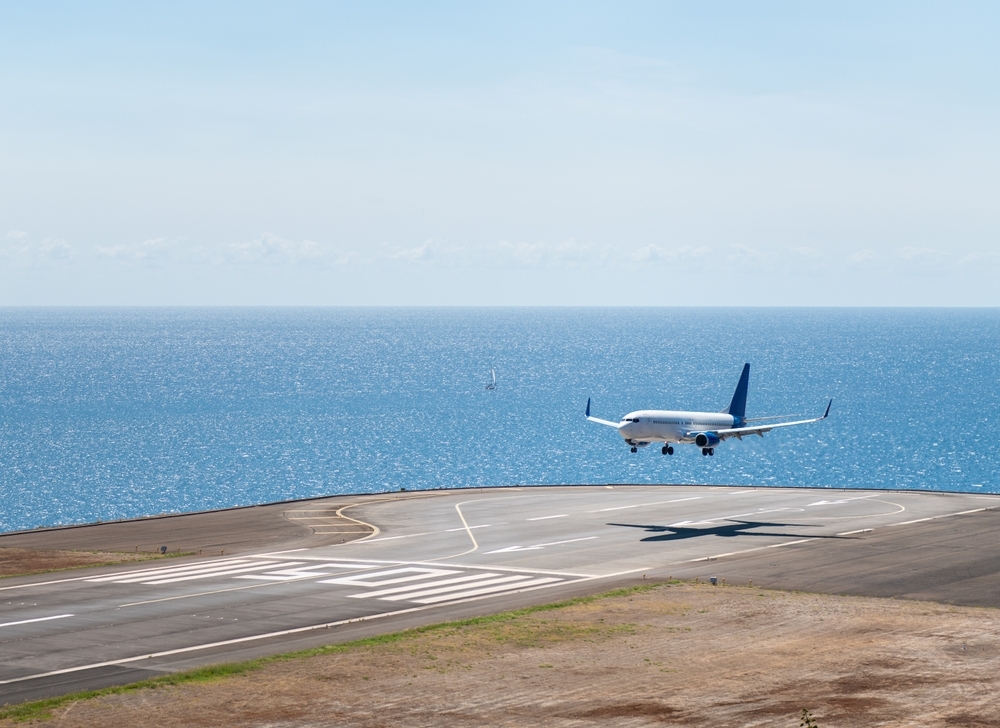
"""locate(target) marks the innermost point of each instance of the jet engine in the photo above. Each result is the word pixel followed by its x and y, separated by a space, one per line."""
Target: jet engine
pixel 706 439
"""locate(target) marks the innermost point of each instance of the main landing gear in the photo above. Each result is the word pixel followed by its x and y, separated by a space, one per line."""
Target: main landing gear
pixel 708 451
pixel 667 450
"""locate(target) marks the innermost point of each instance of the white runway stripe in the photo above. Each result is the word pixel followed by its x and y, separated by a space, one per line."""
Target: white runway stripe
pixel 377 578
pixel 167 569
pixel 305 572
pixel 36 619
pixel 211 574
pixel 416 596
pixel 460 580
pixel 146 578
pixel 487 590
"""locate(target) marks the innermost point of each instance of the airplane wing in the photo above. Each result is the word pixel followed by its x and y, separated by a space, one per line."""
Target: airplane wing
pixel 739 432
pixel 599 420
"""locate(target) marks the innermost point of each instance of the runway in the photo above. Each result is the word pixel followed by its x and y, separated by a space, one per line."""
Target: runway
pixel 421 558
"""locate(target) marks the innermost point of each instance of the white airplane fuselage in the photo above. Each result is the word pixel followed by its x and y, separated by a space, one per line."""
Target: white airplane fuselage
pixel 702 429
pixel 645 426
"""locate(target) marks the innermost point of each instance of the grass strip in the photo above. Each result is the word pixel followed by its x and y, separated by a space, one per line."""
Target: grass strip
pixel 42 709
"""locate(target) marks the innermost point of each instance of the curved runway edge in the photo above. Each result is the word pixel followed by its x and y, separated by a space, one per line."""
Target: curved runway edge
pixel 289 576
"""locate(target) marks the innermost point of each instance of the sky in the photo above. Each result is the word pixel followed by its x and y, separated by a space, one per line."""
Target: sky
pixel 437 153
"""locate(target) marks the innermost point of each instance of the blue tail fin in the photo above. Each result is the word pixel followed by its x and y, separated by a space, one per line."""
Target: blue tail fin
pixel 738 407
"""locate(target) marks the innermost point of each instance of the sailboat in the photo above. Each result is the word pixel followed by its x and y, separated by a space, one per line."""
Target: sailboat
pixel 493 384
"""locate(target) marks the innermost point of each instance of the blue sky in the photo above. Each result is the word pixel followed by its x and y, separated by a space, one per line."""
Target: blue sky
pixel 576 153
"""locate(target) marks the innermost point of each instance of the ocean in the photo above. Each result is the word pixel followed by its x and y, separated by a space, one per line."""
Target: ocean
pixel 117 413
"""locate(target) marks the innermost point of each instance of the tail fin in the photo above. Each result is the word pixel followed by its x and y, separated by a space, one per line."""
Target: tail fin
pixel 738 407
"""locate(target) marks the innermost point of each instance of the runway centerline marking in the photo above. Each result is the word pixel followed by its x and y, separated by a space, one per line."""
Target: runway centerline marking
pixel 545 518
pixel 744 551
pixel 758 512
pixel 36 619
pixel 934 518
pixel 640 505
pixel 841 501
pixel 537 546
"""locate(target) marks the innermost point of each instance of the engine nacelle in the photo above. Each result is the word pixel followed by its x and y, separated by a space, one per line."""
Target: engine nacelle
pixel 706 439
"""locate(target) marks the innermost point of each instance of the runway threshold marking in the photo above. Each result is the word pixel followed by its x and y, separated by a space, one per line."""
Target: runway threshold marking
pixel 284 633
pixel 176 569
pixel 235 588
pixel 87 578
pixel 378 578
pixel 36 619
pixel 425 585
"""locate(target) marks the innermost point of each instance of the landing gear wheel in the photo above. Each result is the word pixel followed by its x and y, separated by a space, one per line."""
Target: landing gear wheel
pixel 635 449
pixel 711 451
pixel 704 451
pixel 664 449
pixel 670 450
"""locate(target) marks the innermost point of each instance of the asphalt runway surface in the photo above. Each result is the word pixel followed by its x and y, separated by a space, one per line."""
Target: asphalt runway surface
pixel 283 577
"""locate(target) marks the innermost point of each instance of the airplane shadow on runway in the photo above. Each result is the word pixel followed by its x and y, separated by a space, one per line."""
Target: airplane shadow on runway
pixel 732 528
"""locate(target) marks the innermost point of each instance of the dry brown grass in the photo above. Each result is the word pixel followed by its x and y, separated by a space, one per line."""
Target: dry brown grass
pixel 19 562
pixel 686 655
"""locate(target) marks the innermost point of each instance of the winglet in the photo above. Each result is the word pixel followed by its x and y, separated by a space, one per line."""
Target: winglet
pixel 588 407
pixel 825 414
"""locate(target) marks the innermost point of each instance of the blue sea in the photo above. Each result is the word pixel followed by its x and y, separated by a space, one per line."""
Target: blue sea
pixel 117 413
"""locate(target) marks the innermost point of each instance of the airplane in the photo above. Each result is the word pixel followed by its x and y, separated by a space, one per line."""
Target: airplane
pixel 703 429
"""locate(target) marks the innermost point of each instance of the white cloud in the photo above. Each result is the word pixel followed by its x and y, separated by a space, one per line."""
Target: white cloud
pixel 920 254
pixel 152 249
pixel 569 253
pixel 655 253
pixel 271 249
pixel 862 256
pixel 20 249
pixel 806 252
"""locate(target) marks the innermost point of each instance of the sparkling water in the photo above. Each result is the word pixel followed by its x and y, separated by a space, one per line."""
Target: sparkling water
pixel 115 413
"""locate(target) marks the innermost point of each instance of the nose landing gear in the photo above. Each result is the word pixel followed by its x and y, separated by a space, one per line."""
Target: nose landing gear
pixel 635 449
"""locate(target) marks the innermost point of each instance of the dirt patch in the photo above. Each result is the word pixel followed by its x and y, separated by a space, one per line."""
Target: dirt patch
pixel 18 562
pixel 683 655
